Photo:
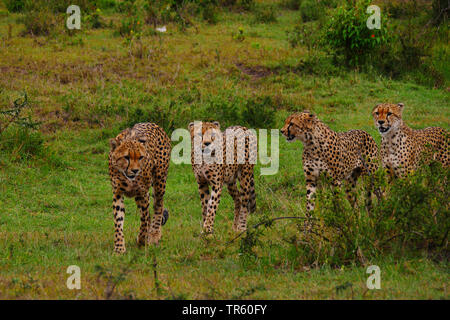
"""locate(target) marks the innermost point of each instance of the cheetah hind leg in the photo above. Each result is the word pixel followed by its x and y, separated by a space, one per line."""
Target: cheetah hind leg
pixel 351 188
pixel 252 201
pixel 234 192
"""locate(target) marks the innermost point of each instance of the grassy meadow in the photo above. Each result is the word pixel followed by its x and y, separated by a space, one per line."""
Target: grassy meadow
pixel 86 86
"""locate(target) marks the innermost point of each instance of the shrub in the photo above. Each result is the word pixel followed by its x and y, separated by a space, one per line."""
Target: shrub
pixel 18 136
pixel 411 218
pixel 14 5
pixel 296 4
pixel 129 26
pixel 259 113
pixel 303 34
pixel 239 35
pixel 440 11
pixel 291 4
pixel 413 215
pixel 106 4
pixel 224 110
pixel 265 14
pixel 317 62
pixel 22 143
pixel 210 14
pixel 95 19
pixel 41 22
pixel 346 33
pixel 311 10
pixel 242 4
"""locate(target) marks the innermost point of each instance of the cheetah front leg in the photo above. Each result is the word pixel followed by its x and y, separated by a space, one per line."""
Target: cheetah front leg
pixel 311 176
pixel 203 189
pixel 213 204
pixel 159 189
pixel 142 203
pixel 119 216
pixel 311 187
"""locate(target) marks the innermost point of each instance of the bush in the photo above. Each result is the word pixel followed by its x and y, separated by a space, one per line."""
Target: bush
pixel 346 33
pixel 440 11
pixel 18 136
pixel 14 5
pixel 303 34
pixel 296 4
pixel 224 110
pixel 95 19
pixel 41 22
pixel 311 10
pixel 291 4
pixel 129 27
pixel 413 215
pixel 210 14
pixel 106 4
pixel 265 14
pixel 259 113
pixel 411 218
pixel 22 143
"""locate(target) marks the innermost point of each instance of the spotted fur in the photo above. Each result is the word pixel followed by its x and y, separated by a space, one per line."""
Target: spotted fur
pixel 340 155
pixel 215 175
pixel 402 148
pixel 139 158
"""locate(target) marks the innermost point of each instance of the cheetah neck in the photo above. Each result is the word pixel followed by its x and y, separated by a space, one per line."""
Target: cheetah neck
pixel 321 137
pixel 395 133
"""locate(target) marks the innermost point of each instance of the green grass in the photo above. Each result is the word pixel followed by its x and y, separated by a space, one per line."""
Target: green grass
pixel 56 210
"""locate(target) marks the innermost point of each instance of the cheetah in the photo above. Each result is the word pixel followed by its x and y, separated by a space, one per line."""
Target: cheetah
pixel 139 158
pixel 340 155
pixel 402 148
pixel 226 169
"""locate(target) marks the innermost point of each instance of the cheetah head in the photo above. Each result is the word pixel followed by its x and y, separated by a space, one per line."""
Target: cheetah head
pixel 128 156
pixel 387 116
pixel 208 134
pixel 298 126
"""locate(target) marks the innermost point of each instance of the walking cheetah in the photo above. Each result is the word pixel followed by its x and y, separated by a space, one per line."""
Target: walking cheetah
pixel 214 166
pixel 402 148
pixel 139 158
pixel 341 155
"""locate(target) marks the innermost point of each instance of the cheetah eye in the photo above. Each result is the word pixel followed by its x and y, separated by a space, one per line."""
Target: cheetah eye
pixel 141 157
pixel 389 113
pixel 127 157
pixel 376 113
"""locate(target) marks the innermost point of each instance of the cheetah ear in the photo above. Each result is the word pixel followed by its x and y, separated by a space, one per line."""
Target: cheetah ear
pixel 401 106
pixel 142 140
pixel 312 118
pixel 191 125
pixel 216 123
pixel 113 143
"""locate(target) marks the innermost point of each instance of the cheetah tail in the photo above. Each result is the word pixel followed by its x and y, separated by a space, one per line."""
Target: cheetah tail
pixel 252 202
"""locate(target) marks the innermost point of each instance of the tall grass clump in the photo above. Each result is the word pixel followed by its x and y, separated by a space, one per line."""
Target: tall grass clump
pixel 404 218
pixel 412 216
pixel 14 5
